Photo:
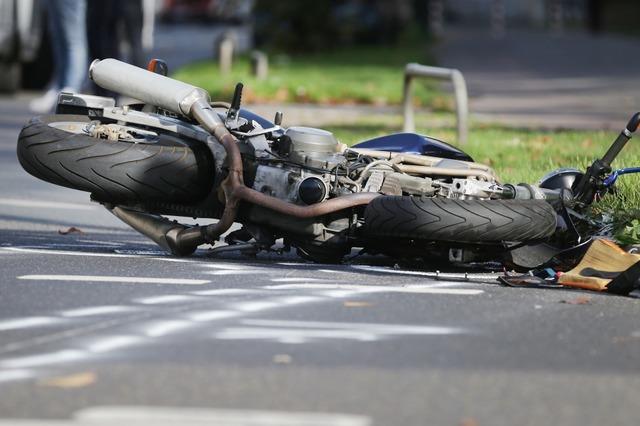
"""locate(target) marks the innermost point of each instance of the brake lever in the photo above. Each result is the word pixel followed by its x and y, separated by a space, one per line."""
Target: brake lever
pixel 234 108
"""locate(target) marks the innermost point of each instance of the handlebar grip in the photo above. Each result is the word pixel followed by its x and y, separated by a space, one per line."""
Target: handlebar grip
pixel 633 124
pixel 148 87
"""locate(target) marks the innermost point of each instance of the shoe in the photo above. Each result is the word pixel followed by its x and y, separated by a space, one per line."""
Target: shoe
pixel 46 103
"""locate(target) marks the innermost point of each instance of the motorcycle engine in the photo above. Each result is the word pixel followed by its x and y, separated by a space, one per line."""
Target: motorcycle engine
pixel 302 175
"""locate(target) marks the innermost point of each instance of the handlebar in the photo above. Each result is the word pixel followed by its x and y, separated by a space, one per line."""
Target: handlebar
pixel 592 181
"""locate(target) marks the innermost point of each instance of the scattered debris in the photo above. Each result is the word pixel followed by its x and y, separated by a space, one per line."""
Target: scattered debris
pixel 469 421
pixel 603 267
pixel 78 380
pixel 356 304
pixel 580 300
pixel 71 230
pixel 282 359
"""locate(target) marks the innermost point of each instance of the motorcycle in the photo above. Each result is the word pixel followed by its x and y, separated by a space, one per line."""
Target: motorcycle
pixel 170 150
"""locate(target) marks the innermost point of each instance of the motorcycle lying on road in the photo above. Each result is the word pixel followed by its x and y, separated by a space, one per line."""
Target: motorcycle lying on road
pixel 171 151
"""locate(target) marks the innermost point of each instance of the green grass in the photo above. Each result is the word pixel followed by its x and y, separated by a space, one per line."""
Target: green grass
pixel 525 156
pixel 364 75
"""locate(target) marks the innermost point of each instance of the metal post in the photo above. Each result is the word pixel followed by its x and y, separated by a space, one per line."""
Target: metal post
pixel 436 17
pixel 556 17
pixel 407 106
pixel 462 105
pixel 412 71
pixel 498 19
pixel 225 55
pixel 259 65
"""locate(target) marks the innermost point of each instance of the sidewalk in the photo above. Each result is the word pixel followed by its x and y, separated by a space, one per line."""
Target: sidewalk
pixel 533 79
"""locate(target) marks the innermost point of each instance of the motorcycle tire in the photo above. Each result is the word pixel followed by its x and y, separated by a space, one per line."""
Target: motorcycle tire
pixel 172 170
pixel 461 221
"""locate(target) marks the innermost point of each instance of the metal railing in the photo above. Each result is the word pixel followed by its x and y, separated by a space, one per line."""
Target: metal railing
pixel 412 71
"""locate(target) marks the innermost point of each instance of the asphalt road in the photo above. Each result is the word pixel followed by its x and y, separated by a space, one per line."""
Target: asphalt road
pixel 96 328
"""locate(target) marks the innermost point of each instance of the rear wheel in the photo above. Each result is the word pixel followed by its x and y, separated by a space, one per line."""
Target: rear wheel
pixel 463 221
pixel 171 170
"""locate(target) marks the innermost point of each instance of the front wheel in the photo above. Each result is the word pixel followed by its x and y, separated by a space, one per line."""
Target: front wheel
pixel 460 221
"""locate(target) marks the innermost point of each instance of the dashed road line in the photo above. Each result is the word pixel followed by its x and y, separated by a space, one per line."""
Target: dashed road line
pixel 17 202
pixel 27 322
pixel 206 416
pixel 96 310
pixel 224 292
pixel 166 298
pixel 298 280
pixel 111 343
pixel 213 315
pixel 13 375
pixel 62 356
pixel 137 255
pixel 437 288
pixel 297 332
pixel 162 328
pixel 114 279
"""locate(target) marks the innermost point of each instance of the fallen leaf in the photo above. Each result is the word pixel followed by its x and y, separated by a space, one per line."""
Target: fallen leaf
pixel 468 421
pixel 282 359
pixel 356 304
pixel 72 381
pixel 71 230
pixel 580 300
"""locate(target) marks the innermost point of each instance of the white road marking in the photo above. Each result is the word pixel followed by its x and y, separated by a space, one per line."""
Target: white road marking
pixel 357 288
pixel 102 243
pixel 229 266
pixel 113 342
pixel 167 298
pixel 296 332
pixel 234 272
pixel 297 300
pixel 113 279
pixel 255 306
pixel 89 254
pixel 16 202
pixel 162 328
pixel 11 375
pixel 291 336
pixel 207 416
pixel 298 280
pixel 223 292
pixel 330 271
pixel 374 327
pixel 388 270
pixel 204 316
pixel 96 310
pixel 67 355
pixel 20 323
pixel 338 294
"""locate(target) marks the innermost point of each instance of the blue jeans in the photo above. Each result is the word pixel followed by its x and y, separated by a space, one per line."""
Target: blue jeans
pixel 67 22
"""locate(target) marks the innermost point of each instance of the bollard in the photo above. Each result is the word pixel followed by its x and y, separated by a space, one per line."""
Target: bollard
pixel 460 92
pixel 259 65
pixel 498 19
pixel 436 17
pixel 556 17
pixel 225 55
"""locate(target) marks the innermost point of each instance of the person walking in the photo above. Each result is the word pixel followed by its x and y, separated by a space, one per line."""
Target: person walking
pixel 67 29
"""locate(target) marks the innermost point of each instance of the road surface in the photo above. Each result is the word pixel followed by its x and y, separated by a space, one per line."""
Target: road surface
pixel 101 326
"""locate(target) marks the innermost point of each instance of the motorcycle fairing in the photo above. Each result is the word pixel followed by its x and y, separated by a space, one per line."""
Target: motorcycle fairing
pixel 413 143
